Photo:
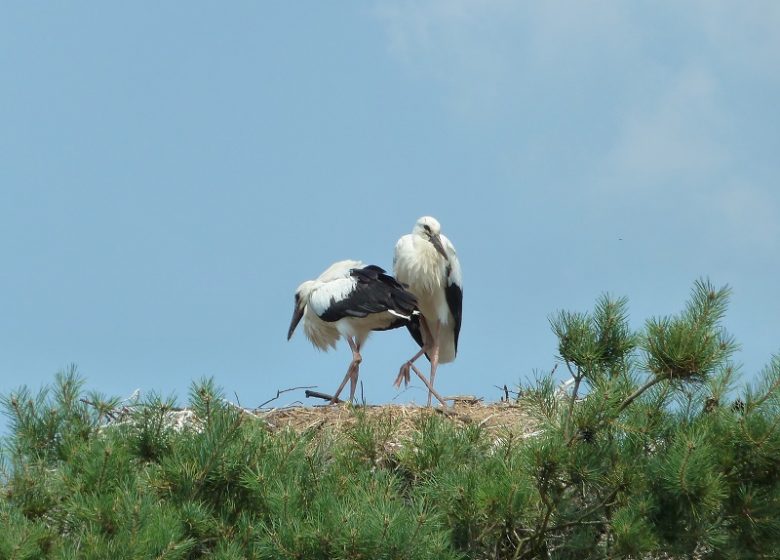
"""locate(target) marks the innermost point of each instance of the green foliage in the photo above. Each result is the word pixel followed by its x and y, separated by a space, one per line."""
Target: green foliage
pixel 597 341
pixel 652 449
pixel 692 344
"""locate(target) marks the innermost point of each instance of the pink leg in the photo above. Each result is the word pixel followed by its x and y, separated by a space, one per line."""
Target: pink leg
pixel 430 387
pixel 403 374
pixel 352 371
pixel 434 359
pixel 356 359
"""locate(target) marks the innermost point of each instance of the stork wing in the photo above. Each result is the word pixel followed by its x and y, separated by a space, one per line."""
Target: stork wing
pixel 373 291
pixel 454 290
pixel 414 329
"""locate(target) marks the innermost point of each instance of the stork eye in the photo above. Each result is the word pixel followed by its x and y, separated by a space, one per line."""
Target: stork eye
pixel 427 228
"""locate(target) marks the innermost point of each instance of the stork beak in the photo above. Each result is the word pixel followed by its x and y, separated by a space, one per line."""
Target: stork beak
pixel 436 240
pixel 296 318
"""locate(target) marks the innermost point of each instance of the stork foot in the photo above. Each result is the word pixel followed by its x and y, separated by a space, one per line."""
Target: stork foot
pixel 404 375
pixel 352 376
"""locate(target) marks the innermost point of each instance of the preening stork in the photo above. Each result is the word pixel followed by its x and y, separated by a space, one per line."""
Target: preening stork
pixel 349 300
pixel 426 263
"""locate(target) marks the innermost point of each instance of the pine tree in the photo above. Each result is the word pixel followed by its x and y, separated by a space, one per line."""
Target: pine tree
pixel 652 450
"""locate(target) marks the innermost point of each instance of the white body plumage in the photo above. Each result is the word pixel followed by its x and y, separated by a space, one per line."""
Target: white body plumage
pixel 335 305
pixel 426 262
pixel 315 295
pixel 350 300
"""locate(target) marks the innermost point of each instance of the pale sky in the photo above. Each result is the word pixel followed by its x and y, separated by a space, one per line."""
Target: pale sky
pixel 170 172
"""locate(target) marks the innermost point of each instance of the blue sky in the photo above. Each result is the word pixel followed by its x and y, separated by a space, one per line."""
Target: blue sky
pixel 169 174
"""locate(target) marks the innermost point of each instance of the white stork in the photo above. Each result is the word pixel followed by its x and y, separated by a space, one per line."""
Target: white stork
pixel 350 300
pixel 426 263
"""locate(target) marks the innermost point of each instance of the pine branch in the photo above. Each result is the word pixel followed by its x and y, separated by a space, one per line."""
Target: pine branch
pixel 636 394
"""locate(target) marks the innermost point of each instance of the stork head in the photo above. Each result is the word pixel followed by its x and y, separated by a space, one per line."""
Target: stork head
pixel 429 229
pixel 301 299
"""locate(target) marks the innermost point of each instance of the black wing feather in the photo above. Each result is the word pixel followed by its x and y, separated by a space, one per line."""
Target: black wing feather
pixel 414 329
pixel 375 292
pixel 454 296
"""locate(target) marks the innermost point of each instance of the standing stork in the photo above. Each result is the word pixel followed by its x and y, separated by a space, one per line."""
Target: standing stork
pixel 426 263
pixel 349 300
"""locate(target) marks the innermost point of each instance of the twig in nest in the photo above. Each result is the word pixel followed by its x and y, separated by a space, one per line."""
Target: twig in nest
pixel 504 390
pixel 317 395
pixel 280 391
pixel 464 399
pixel 294 404
pixel 509 392
pixel 449 413
pixel 315 426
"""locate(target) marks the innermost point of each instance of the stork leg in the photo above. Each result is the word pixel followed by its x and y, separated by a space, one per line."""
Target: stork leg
pixel 352 371
pixel 356 359
pixel 404 373
pixel 434 355
pixel 430 387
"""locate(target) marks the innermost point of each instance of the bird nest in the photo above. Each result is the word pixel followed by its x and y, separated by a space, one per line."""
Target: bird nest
pixel 496 419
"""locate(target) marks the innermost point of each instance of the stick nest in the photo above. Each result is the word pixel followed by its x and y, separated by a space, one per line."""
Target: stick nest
pixel 497 419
